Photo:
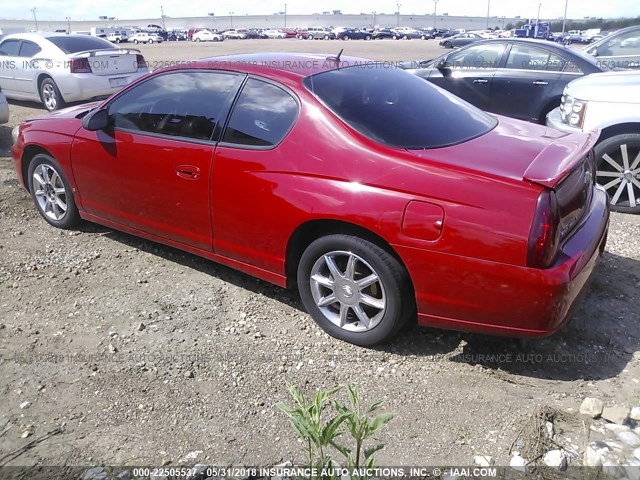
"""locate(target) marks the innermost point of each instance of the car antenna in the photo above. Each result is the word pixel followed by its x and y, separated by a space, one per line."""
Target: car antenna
pixel 336 58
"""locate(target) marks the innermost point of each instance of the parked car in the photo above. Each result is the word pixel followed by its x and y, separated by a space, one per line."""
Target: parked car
pixel 608 103
pixel 518 78
pixel 274 33
pixel 427 33
pixel 145 37
pixel 405 33
pixel 234 34
pixel 56 68
pixel 620 50
pixel 372 225
pixel 382 33
pixel 4 108
pixel 117 37
pixel 206 36
pixel 460 40
pixel 353 34
pixel 315 33
pixel 177 35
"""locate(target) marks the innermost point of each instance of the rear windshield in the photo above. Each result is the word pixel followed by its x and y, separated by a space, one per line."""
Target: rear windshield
pixel 398 109
pixel 79 43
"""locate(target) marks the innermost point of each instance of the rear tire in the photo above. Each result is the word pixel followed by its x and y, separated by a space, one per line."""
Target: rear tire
pixel 50 95
pixel 618 170
pixel 448 45
pixel 367 37
pixel 354 290
pixel 51 192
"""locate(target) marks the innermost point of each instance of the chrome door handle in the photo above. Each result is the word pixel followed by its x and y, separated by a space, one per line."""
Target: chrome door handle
pixel 481 80
pixel 540 82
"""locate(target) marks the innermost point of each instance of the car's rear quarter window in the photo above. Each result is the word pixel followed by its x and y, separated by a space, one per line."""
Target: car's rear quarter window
pixel 79 43
pixel 398 109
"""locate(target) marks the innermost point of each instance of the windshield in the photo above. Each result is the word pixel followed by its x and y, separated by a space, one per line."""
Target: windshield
pixel 79 43
pixel 398 109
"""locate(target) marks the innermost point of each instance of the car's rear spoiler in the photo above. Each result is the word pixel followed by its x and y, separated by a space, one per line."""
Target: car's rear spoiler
pixel 92 53
pixel 559 158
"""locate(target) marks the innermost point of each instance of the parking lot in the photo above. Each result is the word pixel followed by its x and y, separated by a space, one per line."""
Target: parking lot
pixel 145 353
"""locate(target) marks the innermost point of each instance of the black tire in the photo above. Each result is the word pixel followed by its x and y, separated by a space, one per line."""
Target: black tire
pixel 393 285
pixel 50 95
pixel 612 148
pixel 367 37
pixel 150 42
pixel 345 37
pixel 405 38
pixel 198 39
pixel 448 45
pixel 326 37
pixel 395 37
pixel 71 217
pixel 216 39
pixel 135 41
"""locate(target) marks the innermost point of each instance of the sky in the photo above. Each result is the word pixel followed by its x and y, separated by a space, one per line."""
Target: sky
pixel 132 9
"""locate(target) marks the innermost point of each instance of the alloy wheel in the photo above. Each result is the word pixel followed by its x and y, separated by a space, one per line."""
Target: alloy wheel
pixel 49 96
pixel 348 291
pixel 619 174
pixel 50 192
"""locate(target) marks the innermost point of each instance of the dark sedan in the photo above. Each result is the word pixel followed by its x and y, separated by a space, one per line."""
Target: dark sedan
pixel 353 34
pixel 460 40
pixel 514 77
pixel 382 33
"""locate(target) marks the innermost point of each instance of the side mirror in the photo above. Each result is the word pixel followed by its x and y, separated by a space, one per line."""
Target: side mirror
pixel 96 120
pixel 442 64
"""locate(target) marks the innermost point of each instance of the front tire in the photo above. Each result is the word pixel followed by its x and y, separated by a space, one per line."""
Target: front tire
pixel 354 290
pixel 618 171
pixel 51 192
pixel 50 95
pixel 448 45
pixel 136 42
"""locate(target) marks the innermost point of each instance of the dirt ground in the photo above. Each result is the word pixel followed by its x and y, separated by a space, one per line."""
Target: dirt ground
pixel 210 361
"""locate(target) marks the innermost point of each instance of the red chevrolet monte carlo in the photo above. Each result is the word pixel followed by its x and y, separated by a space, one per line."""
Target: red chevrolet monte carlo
pixel 378 194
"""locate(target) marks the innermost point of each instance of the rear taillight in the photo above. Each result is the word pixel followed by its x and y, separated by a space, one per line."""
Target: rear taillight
pixel 140 61
pixel 544 237
pixel 80 65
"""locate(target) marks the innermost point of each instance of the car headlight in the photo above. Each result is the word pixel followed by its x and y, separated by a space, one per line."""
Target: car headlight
pixel 572 111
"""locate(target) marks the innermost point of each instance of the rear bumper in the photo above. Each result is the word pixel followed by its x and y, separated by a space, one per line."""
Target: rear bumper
pixel 462 293
pixel 77 87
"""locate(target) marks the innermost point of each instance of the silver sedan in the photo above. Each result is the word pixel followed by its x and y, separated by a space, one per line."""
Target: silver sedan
pixel 56 68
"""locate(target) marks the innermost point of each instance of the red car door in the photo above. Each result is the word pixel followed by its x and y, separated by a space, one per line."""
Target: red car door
pixel 150 169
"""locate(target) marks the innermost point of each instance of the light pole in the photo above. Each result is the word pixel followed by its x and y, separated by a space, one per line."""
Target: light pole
pixel 435 9
pixel 33 10
pixel 231 17
pixel 68 24
pixel 564 19
pixel 162 17
pixel 488 8
pixel 211 14
pixel 398 12
pixel 285 15
pixel 539 5
pixel 374 19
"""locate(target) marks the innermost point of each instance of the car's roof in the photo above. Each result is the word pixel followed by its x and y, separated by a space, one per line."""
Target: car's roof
pixel 299 64
pixel 35 36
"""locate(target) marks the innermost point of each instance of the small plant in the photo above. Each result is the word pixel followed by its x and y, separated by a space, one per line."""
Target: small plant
pixel 362 426
pixel 318 436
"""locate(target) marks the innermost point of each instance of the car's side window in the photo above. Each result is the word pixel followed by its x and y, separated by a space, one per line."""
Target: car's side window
pixel 28 49
pixel 525 57
pixel 626 44
pixel 478 56
pixel 181 104
pixel 262 116
pixel 9 48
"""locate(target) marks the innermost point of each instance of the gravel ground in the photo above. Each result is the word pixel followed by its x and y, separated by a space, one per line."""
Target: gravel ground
pixel 144 353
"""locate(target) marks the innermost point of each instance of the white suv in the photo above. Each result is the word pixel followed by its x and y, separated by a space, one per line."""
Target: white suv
pixel 609 102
